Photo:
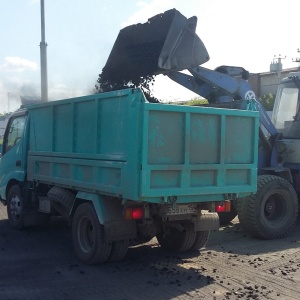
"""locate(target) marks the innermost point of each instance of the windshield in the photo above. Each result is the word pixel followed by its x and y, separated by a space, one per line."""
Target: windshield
pixel 285 106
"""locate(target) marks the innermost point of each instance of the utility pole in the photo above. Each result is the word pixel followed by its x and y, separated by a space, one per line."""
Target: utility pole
pixel 8 102
pixel 297 59
pixel 278 66
pixel 43 54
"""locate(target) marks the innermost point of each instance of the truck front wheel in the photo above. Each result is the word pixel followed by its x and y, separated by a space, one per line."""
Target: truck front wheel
pixel 88 236
pixel 15 207
pixel 271 212
pixel 177 240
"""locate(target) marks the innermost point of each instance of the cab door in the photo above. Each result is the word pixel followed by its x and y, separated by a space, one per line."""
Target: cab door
pixel 13 161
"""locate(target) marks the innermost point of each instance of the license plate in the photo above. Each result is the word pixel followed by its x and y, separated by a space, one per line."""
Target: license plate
pixel 182 209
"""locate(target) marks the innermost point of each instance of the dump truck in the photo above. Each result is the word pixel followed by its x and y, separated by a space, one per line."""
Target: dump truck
pixel 122 169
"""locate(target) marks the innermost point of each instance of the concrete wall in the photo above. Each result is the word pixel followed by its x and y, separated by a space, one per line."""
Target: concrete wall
pixel 267 82
pixel 3 123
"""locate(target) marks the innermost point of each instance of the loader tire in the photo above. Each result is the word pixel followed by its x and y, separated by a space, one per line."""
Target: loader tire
pixel 88 236
pixel 118 251
pixel 271 212
pixel 200 240
pixel 175 240
pixel 62 200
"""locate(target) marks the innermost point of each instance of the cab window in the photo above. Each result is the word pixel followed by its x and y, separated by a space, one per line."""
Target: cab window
pixel 14 132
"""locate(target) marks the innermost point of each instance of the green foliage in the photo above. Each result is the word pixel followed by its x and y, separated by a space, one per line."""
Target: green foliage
pixel 196 101
pixel 268 101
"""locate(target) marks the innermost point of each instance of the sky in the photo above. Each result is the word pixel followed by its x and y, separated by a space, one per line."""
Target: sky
pixel 81 33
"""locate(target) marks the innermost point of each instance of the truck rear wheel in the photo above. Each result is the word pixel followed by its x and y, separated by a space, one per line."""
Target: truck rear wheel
pixel 200 240
pixel 88 236
pixel 15 207
pixel 118 251
pixel 271 212
pixel 176 240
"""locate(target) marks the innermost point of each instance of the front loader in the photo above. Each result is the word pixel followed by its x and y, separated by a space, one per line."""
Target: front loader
pixel 168 44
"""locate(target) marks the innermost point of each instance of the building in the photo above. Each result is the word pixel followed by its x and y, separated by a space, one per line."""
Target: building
pixel 3 123
pixel 267 82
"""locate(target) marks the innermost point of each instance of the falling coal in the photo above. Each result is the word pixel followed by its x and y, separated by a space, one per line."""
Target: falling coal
pixel 108 81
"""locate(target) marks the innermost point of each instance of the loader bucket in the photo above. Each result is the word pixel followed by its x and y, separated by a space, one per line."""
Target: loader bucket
pixel 166 42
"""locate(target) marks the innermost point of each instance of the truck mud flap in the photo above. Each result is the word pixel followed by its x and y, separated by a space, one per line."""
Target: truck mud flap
pixel 166 42
pixel 119 230
pixel 207 221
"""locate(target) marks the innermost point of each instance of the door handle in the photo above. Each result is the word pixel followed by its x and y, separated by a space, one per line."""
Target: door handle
pixel 18 163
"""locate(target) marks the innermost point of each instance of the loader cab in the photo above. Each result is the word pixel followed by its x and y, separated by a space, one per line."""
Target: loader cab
pixel 286 112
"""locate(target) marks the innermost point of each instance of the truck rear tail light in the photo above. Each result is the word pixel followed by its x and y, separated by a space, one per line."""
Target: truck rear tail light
pixel 224 206
pixel 136 213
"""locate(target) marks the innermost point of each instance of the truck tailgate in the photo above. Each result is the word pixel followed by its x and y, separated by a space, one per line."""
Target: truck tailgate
pixel 198 153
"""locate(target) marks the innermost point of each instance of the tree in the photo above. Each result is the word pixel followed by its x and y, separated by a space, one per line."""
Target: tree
pixel 268 101
pixel 196 101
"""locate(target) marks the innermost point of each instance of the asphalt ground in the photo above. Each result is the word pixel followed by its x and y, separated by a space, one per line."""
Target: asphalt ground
pixel 39 263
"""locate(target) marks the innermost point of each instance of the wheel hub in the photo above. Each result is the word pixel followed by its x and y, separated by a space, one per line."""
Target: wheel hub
pixel 15 208
pixel 86 235
pixel 270 207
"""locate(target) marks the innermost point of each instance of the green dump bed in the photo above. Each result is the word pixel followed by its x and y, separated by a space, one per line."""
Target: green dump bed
pixel 118 144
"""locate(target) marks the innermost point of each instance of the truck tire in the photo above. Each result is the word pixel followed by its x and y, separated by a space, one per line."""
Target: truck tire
pixel 200 240
pixel 177 241
pixel 271 212
pixel 88 236
pixel 19 213
pixel 118 251
pixel 15 207
pixel 226 217
pixel 62 200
